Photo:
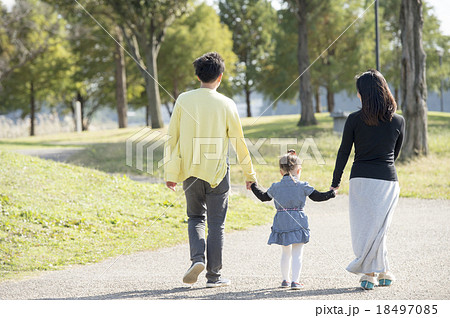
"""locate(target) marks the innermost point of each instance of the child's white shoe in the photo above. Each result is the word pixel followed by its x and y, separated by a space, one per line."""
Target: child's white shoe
pixel 295 285
pixel 285 284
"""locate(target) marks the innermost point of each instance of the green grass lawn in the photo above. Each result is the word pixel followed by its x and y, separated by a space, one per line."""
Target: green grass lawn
pixel 53 215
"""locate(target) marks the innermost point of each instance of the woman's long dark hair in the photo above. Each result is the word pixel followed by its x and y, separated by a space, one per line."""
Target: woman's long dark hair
pixel 378 104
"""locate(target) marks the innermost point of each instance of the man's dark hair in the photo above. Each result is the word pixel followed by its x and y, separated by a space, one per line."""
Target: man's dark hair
pixel 377 101
pixel 209 66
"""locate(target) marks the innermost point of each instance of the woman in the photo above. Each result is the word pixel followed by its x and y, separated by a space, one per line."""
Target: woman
pixel 377 133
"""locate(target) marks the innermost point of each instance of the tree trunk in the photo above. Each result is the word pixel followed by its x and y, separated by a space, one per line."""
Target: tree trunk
pixel 88 117
pixel 84 124
pixel 396 96
pixel 176 92
pixel 168 108
pixel 317 95
pixel 32 109
pixel 247 100
pixel 149 71
pixel 121 81
pixel 330 100
pixel 307 114
pixel 154 116
pixel 414 87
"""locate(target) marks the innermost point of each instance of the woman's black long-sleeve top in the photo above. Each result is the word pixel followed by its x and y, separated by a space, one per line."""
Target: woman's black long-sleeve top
pixel 376 148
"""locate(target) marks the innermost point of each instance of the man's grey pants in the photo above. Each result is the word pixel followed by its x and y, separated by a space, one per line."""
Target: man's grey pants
pixel 204 202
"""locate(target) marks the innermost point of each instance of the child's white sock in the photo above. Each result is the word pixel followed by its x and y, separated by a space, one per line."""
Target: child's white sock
pixel 297 256
pixel 285 262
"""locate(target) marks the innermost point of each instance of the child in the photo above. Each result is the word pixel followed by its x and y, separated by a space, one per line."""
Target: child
pixel 290 224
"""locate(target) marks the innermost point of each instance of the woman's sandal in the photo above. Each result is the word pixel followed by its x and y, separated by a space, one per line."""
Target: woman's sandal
pixel 386 279
pixel 368 282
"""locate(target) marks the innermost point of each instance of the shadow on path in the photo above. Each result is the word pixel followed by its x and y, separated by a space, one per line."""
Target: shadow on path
pixel 183 293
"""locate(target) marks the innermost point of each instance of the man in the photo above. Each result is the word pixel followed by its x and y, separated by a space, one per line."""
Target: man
pixel 202 124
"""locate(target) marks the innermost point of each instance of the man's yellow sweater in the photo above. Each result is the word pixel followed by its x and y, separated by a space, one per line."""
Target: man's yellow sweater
pixel 202 125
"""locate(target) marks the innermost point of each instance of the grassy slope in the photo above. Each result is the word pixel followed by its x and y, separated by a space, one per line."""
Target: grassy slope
pixel 54 214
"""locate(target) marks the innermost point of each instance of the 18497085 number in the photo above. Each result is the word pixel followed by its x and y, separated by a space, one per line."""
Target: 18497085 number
pixel 407 309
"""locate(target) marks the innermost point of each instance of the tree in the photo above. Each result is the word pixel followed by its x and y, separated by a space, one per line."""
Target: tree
pixel 391 46
pixel 16 49
pixel 121 80
pixel 414 86
pixel 94 50
pixel 251 22
pixel 435 43
pixel 33 84
pixel 93 66
pixel 327 22
pixel 391 49
pixel 302 8
pixel 144 24
pixel 348 52
pixel 186 40
pixel 282 64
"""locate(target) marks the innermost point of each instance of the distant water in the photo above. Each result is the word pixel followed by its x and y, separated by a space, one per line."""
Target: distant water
pixel 106 118
pixel 260 105
pixel 343 102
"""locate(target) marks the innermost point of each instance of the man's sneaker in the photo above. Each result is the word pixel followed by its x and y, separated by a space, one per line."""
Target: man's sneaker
pixel 192 273
pixel 285 284
pixel 218 283
pixel 295 285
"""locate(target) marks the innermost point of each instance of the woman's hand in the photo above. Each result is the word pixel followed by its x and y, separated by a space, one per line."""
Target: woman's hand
pixel 335 189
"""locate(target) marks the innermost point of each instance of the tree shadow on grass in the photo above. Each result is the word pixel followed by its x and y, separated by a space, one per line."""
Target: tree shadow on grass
pixel 219 294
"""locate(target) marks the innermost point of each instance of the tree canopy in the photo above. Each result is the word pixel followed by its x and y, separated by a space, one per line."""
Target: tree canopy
pixel 197 32
pixel 113 54
pixel 251 23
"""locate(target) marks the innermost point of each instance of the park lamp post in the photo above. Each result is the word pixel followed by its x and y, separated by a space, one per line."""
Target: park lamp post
pixel 377 38
pixel 440 53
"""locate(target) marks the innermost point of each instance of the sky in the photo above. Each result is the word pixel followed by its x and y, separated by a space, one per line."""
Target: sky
pixel 441 10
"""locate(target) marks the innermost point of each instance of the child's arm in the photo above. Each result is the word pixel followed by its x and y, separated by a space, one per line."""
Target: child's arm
pixel 322 196
pixel 260 193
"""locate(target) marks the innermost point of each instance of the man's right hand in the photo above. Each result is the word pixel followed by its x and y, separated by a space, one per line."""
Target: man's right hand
pixel 171 185
pixel 248 184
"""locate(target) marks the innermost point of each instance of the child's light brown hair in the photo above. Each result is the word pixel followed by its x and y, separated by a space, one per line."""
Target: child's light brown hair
pixel 290 162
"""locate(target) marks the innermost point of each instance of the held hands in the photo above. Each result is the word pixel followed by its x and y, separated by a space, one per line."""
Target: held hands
pixel 335 189
pixel 171 185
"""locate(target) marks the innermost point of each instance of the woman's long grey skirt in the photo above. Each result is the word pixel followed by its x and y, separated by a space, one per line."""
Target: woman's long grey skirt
pixel 372 204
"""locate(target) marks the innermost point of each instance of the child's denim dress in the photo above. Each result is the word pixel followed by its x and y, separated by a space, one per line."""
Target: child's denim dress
pixel 290 224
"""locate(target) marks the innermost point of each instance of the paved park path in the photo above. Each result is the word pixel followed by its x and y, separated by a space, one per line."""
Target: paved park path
pixel 55 154
pixel 418 242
